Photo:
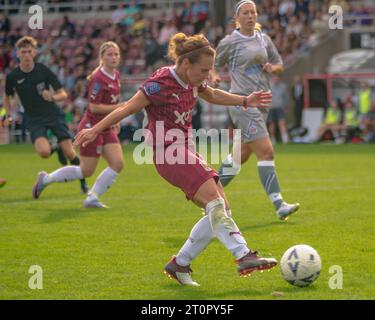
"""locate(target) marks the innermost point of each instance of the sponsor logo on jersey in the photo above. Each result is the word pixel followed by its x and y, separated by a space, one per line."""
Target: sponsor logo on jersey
pixel 152 88
pixel 114 98
pixel 253 129
pixel 95 89
pixel 182 117
pixel 176 96
pixel 20 81
pixel 40 87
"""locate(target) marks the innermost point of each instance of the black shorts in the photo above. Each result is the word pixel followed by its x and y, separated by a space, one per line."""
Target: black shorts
pixel 57 126
pixel 275 115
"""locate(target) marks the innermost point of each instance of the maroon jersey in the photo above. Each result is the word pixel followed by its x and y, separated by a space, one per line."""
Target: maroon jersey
pixel 102 89
pixel 171 101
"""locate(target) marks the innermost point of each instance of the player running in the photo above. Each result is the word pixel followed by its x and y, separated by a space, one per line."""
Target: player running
pixel 32 83
pixel 251 58
pixel 103 94
pixel 169 96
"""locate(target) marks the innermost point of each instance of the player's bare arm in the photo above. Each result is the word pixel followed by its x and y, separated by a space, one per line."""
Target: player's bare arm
pixel 256 99
pixel 102 108
pixel 273 68
pixel 9 105
pixel 59 95
pixel 122 110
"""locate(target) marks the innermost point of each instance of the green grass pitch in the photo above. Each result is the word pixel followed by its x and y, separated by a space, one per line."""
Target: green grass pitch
pixel 120 253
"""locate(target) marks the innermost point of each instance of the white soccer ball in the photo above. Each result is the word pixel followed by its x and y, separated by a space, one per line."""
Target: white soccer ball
pixel 300 265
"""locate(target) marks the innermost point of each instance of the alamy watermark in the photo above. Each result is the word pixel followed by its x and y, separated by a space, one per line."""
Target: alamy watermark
pixel 36 280
pixel 176 146
pixel 36 19
pixel 336 281
pixel 336 21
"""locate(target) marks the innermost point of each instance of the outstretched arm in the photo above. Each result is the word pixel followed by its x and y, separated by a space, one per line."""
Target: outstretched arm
pixel 136 103
pixel 258 99
pixel 102 108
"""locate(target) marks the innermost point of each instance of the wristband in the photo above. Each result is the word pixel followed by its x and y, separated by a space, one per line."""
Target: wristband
pixel 244 102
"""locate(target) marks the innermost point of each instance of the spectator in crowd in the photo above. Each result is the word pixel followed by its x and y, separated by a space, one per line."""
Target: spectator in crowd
pixel 139 25
pixel 368 124
pixel 297 96
pixel 200 15
pixel 166 33
pixel 332 122
pixel 4 23
pixel 152 51
pixel 67 28
pixel 276 117
pixel 130 11
pixel 364 99
pixel 186 16
pixel 350 127
pixel 119 14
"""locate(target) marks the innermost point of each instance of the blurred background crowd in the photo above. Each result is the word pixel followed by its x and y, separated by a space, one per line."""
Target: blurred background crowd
pixel 69 45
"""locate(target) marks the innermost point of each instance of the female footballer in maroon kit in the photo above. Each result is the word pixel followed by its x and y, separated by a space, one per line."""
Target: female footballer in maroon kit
pixel 169 96
pixel 103 95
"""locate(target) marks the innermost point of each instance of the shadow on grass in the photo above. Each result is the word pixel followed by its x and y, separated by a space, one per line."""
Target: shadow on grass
pixel 176 242
pixel 58 215
pixel 178 292
pixel 274 224
pixel 173 242
pixel 30 199
pixel 296 293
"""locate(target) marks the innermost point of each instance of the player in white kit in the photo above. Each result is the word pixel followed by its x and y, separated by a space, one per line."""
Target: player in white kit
pixel 251 58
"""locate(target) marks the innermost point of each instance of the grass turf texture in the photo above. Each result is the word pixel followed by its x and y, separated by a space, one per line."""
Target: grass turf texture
pixel 120 253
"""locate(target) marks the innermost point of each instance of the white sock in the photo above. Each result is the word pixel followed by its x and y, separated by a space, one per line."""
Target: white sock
pixel 200 237
pixel 285 138
pixel 234 168
pixel 64 174
pixel 226 229
pixel 104 181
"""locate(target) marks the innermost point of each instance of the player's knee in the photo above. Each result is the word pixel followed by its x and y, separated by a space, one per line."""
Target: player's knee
pixel 212 194
pixel 117 166
pixel 267 154
pixel 44 153
pixel 245 153
pixel 245 156
pixel 69 153
pixel 87 172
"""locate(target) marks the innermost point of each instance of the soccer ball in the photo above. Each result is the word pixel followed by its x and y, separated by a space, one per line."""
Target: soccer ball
pixel 300 265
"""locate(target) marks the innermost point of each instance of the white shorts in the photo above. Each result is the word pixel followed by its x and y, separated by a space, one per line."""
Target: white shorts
pixel 252 123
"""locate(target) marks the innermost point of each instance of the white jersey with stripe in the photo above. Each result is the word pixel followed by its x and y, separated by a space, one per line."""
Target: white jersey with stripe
pixel 245 56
